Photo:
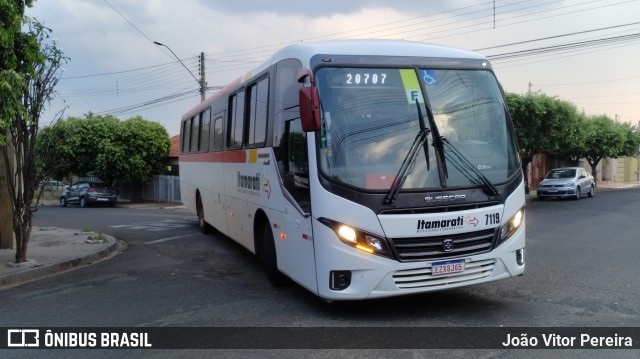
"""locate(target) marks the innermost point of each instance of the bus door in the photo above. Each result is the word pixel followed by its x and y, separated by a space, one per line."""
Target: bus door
pixel 296 257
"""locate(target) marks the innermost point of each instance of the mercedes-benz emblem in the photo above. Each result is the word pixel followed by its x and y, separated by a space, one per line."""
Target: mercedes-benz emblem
pixel 447 245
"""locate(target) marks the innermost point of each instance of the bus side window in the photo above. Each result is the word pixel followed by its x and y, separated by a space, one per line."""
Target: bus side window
pixel 256 129
pixel 236 120
pixel 205 126
pixel 296 170
pixel 186 135
pixel 216 135
pixel 195 134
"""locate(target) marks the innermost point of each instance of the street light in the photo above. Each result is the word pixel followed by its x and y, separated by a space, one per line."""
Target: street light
pixel 201 82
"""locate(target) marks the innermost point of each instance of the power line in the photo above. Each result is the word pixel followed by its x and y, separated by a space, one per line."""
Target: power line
pixel 548 49
pixel 556 36
pixel 127 20
pixel 150 79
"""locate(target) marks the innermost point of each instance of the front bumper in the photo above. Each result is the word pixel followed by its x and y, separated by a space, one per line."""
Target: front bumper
pixel 564 191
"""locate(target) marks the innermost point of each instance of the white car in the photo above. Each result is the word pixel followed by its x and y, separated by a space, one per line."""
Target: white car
pixel 570 182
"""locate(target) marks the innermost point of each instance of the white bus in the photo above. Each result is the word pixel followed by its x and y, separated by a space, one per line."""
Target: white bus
pixel 362 169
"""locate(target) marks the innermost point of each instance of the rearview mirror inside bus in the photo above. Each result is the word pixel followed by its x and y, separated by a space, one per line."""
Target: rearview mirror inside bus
pixel 309 109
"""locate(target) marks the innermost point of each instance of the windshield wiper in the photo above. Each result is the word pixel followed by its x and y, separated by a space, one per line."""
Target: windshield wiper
pixel 403 172
pixel 489 188
pixel 437 139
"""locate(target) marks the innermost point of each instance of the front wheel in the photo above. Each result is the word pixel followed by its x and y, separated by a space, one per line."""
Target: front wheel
pixel 270 259
pixel 63 201
pixel 577 193
pixel 592 192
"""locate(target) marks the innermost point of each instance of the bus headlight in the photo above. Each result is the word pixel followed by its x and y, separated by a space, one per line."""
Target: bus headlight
pixel 512 225
pixel 358 239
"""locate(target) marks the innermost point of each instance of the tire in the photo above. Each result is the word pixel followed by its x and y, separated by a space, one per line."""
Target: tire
pixel 577 197
pixel 270 259
pixel 203 226
pixel 592 192
pixel 63 201
pixel 83 203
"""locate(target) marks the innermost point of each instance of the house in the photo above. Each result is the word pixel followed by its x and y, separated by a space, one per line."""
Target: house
pixel 172 164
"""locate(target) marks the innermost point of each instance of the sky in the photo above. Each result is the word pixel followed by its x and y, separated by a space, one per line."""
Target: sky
pixel 588 51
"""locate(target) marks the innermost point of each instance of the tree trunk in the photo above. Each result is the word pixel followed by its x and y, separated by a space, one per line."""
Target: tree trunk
pixel 22 239
pixel 593 162
pixel 6 211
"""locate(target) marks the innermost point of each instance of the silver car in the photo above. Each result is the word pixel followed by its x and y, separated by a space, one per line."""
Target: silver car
pixel 570 182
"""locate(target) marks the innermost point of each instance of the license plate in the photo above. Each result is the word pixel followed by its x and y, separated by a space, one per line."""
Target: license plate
pixel 447 267
pixel 552 190
pixel 103 199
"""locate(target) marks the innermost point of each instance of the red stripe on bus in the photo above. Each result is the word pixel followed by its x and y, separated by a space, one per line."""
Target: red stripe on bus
pixel 238 156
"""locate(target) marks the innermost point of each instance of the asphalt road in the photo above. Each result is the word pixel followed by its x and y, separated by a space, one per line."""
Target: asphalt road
pixel 581 272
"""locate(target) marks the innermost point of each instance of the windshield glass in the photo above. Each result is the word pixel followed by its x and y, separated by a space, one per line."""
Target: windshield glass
pixel 370 120
pixel 564 173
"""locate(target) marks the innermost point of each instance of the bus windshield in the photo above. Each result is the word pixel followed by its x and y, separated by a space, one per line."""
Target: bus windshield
pixel 370 120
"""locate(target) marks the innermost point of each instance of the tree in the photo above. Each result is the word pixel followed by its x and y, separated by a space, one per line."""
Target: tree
pixel 543 124
pixel 132 150
pixel 631 144
pixel 604 138
pixel 35 62
pixel 11 84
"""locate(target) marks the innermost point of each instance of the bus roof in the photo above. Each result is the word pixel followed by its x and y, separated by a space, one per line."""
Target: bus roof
pixel 305 51
pixel 372 47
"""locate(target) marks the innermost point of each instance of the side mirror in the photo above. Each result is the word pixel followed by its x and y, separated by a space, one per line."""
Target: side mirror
pixel 309 109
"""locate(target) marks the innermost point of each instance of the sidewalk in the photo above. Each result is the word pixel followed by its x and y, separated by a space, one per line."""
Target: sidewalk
pixel 53 250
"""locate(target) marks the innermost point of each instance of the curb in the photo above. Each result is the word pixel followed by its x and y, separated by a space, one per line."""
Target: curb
pixel 47 270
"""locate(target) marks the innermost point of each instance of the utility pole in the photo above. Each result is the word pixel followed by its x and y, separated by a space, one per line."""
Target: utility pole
pixel 203 82
pixel 530 85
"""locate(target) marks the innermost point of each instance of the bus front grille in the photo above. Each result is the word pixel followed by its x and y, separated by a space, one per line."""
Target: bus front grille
pixel 422 277
pixel 433 248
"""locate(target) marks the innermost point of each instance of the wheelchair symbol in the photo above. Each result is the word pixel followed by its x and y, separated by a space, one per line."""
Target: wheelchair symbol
pixel 429 78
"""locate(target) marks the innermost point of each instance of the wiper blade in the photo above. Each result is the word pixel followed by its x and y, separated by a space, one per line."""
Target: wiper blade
pixel 437 139
pixel 402 174
pixel 489 188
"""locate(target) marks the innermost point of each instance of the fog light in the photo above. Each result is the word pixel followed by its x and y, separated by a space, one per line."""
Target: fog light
pixel 520 256
pixel 339 279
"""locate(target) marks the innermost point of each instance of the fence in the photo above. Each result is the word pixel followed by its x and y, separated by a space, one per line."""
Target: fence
pixel 159 189
pixel 162 189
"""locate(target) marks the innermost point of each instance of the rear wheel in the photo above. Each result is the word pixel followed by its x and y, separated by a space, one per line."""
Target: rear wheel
pixel 83 202
pixel 202 223
pixel 270 258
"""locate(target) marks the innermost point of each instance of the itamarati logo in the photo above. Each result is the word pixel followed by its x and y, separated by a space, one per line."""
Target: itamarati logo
pixel 425 226
pixel 249 183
